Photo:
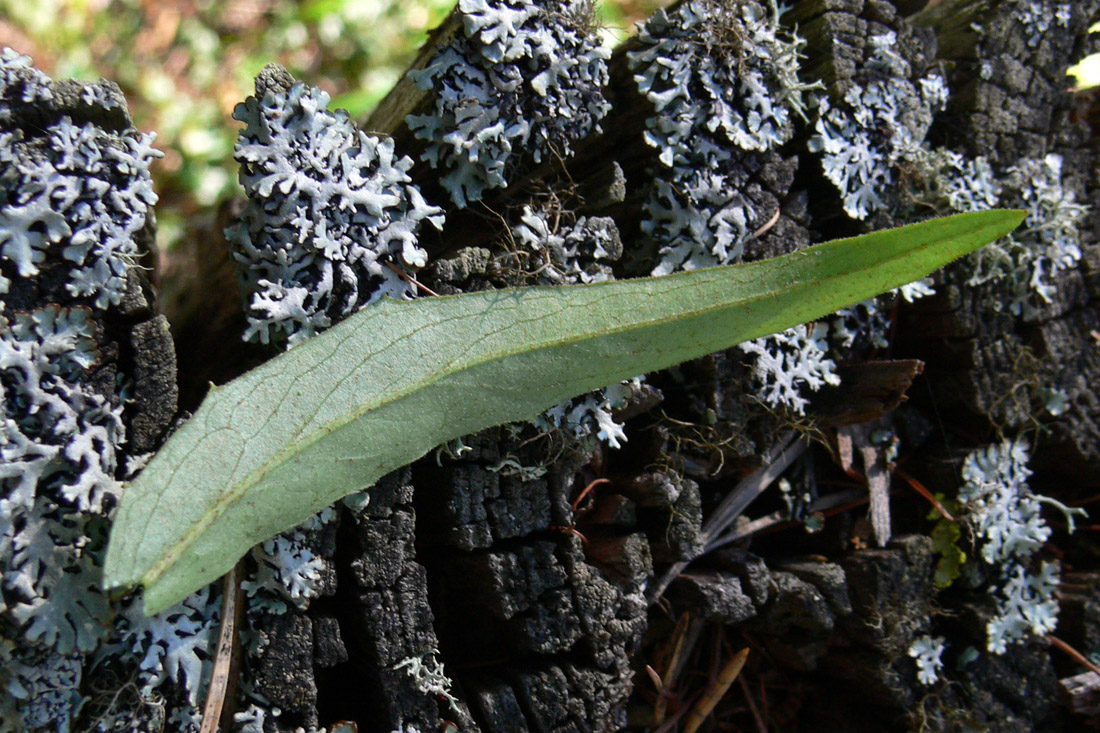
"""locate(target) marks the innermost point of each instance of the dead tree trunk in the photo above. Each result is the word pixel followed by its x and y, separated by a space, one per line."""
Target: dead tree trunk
pixel 597 568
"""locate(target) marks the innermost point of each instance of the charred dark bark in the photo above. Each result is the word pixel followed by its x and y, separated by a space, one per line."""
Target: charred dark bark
pixel 986 364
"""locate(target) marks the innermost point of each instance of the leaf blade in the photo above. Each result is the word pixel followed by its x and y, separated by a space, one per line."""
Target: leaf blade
pixel 379 390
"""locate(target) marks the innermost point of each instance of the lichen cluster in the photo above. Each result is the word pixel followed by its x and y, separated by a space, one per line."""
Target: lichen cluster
pixel 287 570
pixel 522 81
pixel 785 363
pixel 591 414
pixel 1007 519
pixel 927 653
pixel 60 447
pixel 427 672
pixel 870 137
pixel 723 81
pixel 331 215
pixel 874 150
pixel 1026 262
pixel 75 200
pixel 565 252
pixel 1039 16
pixel 869 141
pixel 74 187
pixel 1022 267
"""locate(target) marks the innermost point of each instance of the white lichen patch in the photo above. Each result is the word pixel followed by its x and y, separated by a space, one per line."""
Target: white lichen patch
pixel 1026 606
pixel 1001 506
pixel 927 652
pixel 1007 519
pixel 1049 242
pixel 523 82
pixel 877 129
pixel 20 82
pixel 788 366
pixel 863 325
pixel 591 414
pixel 561 251
pixel 45 689
pixel 1026 263
pixel 722 68
pixel 53 193
pixel 783 364
pixel 60 445
pixel 174 644
pixel 287 570
pixel 331 216
pixel 428 675
pixel 1039 17
pixel 723 81
pixel 965 184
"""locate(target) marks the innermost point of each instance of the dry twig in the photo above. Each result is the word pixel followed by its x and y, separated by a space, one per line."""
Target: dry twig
pixel 226 659
pixel 706 704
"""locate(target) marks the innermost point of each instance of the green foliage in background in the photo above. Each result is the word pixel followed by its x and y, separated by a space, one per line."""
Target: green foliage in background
pixel 1086 73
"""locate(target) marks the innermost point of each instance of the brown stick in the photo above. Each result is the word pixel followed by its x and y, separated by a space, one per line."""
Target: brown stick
pixel 223 681
pixel 923 491
pixel 660 709
pixel 1077 656
pixel 706 704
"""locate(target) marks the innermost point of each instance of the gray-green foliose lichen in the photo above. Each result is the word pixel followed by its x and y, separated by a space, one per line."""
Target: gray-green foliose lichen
pixel 522 82
pixel 1007 521
pixel 877 130
pixel 331 220
pixel 77 187
pixel 74 200
pixel 723 82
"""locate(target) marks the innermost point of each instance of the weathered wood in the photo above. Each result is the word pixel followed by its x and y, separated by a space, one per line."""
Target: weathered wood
pixel 712 595
pixel 284 670
pixel 1082 693
pixel 869 391
pixel 1007 76
pixel 670 509
pixel 1010 103
pixel 530 594
pixel 521 590
pixel 838 35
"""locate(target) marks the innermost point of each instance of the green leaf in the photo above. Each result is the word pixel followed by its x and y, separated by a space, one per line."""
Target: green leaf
pixel 945 542
pixel 1087 70
pixel 334 414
